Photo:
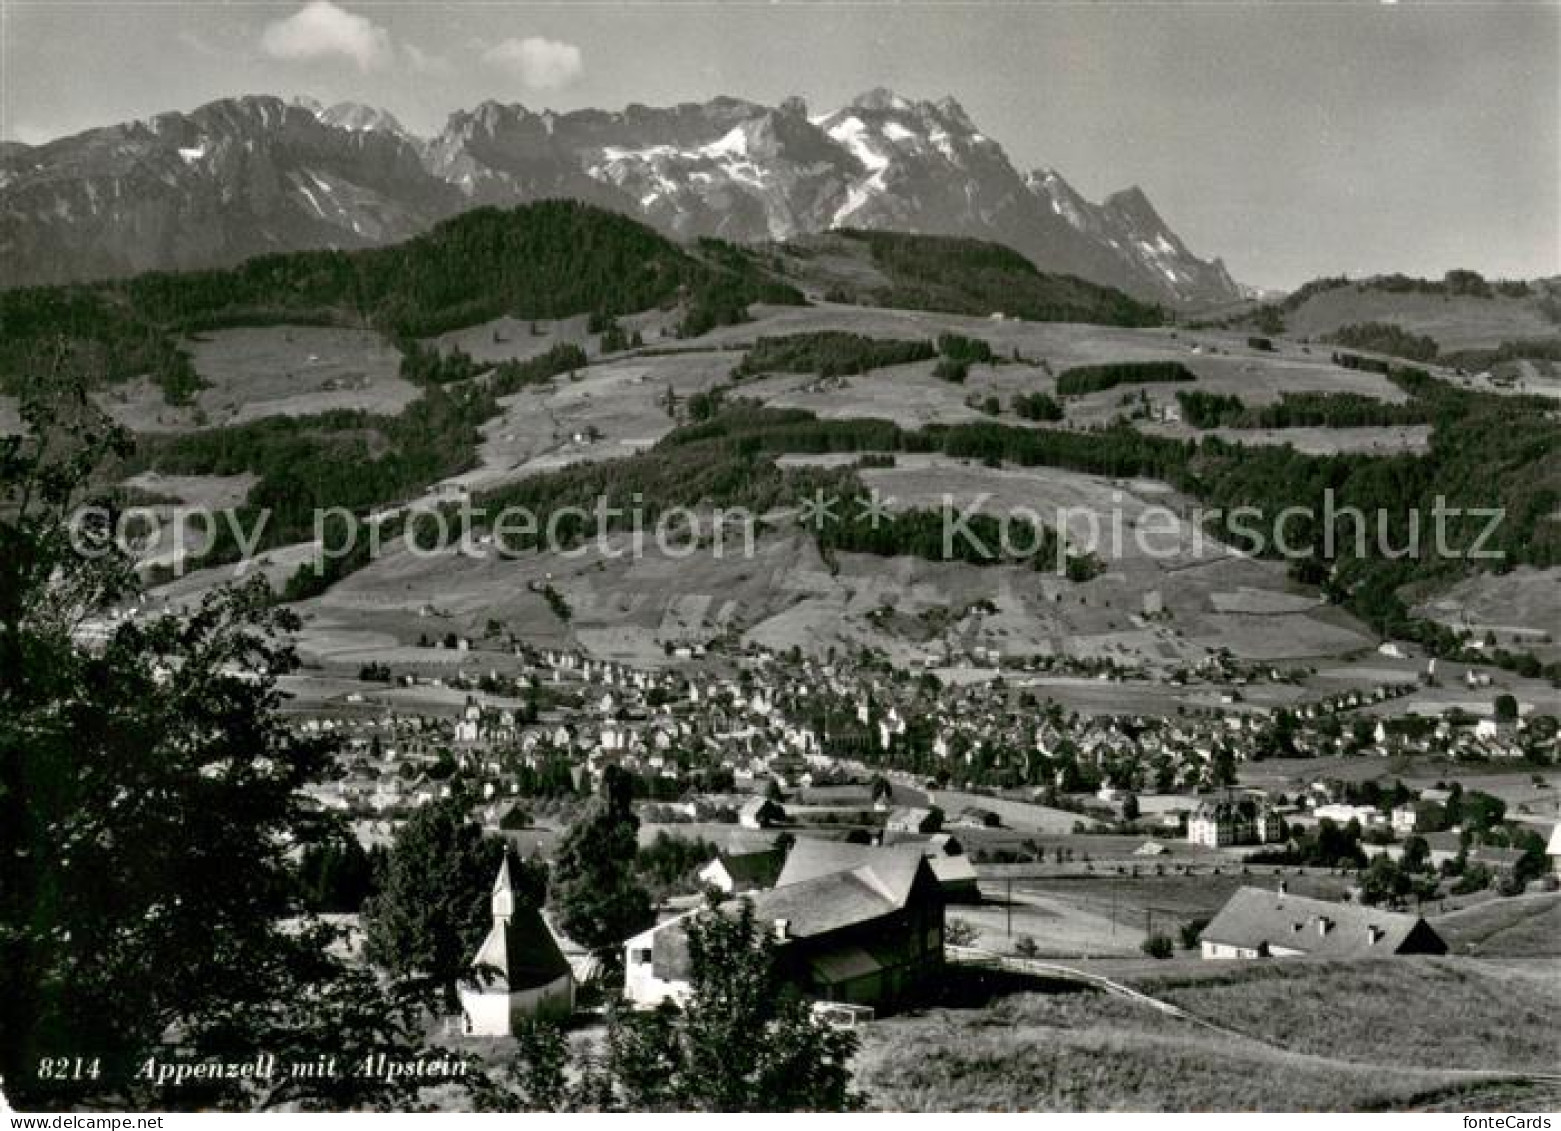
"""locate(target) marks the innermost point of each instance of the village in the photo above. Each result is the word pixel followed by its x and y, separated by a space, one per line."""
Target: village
pixel 886 825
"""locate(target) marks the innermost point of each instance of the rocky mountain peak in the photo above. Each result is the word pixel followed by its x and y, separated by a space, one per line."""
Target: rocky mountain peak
pixel 258 173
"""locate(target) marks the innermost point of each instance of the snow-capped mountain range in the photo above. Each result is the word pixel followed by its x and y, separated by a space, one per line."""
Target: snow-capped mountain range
pixel 242 176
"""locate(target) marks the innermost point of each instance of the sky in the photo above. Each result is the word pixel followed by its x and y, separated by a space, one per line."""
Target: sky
pixel 1293 139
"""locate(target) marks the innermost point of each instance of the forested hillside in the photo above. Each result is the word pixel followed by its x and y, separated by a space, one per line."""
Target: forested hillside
pixel 966 276
pixel 546 260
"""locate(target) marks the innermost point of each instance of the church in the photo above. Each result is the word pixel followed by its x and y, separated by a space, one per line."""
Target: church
pixel 519 972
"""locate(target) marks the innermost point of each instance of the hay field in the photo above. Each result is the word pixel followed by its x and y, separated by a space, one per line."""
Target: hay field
pixel 786 595
pixel 1456 322
pixel 1524 926
pixel 1085 1051
pixel 1519 608
pixel 262 371
pixel 623 400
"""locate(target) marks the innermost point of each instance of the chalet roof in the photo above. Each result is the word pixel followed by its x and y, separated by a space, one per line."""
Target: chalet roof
pixel 878 885
pixel 894 866
pixel 1257 918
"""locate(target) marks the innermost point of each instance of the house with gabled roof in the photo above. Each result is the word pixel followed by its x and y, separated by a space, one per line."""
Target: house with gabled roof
pixel 1258 923
pixel 955 872
pixel 870 933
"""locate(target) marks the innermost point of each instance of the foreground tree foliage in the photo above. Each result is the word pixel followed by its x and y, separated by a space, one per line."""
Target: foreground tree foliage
pixel 433 910
pixel 743 1041
pixel 599 898
pixel 149 797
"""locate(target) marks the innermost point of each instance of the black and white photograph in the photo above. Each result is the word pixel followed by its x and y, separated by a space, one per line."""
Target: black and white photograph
pixel 826 556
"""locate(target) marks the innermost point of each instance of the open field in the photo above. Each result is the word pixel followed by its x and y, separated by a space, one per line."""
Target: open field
pixel 516 339
pixel 911 396
pixel 1104 915
pixel 1466 1014
pixel 1519 609
pixel 211 492
pixel 785 594
pixel 1086 1051
pixel 184 517
pixel 1456 322
pixel 920 612
pixel 1525 926
pixel 256 372
pixel 297 371
pixel 1513 784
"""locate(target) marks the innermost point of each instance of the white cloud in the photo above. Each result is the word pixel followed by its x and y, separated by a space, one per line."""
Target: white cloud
pixel 423 62
pixel 321 30
pixel 542 64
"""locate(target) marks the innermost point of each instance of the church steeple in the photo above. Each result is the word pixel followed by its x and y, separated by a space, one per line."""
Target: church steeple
pixel 503 893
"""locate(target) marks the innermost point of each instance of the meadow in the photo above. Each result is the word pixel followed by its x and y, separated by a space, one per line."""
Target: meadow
pixel 1463 1041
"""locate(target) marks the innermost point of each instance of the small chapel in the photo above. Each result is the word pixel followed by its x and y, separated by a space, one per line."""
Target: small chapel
pixel 519 972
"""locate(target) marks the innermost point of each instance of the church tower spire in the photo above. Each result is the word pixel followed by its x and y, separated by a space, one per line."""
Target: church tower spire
pixel 503 893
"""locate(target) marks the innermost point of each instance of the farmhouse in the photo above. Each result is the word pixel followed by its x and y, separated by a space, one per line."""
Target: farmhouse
pixel 519 972
pixel 1257 923
pixel 871 934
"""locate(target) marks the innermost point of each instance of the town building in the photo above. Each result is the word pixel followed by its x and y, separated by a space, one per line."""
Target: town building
pixel 1220 824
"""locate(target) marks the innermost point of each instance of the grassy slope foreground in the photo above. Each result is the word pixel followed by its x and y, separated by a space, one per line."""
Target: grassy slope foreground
pixel 1394 1034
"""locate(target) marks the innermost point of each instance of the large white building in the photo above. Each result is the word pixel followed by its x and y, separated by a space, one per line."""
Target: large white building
pixel 1219 824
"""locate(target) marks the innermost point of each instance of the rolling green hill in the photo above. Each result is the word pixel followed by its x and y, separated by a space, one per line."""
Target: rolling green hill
pixel 545 260
pixel 956 276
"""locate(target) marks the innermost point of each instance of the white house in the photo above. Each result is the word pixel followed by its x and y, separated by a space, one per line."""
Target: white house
pixel 519 972
pixel 1256 923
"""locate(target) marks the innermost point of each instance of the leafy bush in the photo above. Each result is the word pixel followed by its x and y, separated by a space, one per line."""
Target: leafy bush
pixel 1158 946
pixel 950 370
pixel 1210 410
